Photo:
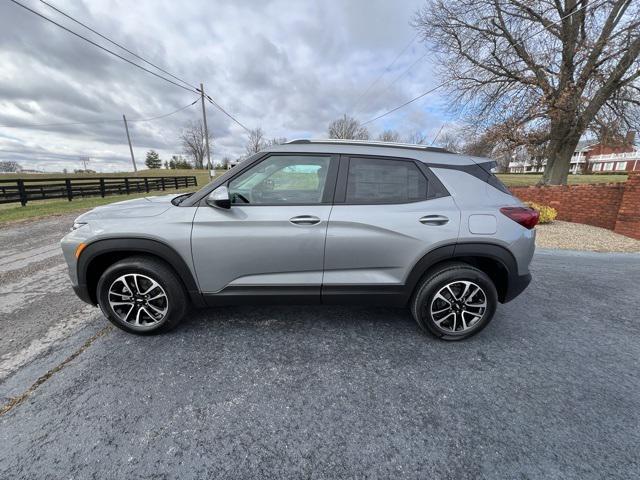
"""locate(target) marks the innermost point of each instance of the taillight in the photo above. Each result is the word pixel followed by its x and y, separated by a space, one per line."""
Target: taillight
pixel 525 216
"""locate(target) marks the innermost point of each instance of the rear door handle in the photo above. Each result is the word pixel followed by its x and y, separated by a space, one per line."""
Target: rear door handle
pixel 434 220
pixel 305 220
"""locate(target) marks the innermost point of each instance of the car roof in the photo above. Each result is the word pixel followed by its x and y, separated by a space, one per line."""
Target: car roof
pixel 422 153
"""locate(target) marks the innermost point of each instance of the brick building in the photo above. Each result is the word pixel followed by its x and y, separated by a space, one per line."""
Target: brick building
pixel 592 158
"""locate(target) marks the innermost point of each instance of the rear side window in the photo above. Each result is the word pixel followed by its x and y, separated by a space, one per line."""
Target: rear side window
pixel 372 181
pixel 491 179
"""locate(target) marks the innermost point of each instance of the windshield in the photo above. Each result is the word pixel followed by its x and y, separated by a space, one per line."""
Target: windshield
pixel 225 176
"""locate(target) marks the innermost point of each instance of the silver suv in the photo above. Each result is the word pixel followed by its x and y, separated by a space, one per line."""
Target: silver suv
pixel 329 222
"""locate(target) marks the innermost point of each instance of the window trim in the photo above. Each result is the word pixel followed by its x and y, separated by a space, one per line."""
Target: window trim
pixel 340 197
pixel 330 182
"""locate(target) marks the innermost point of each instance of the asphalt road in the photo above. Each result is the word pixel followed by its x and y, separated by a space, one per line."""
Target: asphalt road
pixel 550 389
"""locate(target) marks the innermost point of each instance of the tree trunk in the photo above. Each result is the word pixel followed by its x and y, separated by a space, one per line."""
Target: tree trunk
pixel 562 144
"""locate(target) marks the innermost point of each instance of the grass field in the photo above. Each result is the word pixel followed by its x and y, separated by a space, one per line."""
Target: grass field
pixel 36 209
pixel 522 180
pixel 42 208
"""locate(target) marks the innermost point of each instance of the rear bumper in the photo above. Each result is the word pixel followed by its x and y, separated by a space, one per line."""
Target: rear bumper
pixel 517 285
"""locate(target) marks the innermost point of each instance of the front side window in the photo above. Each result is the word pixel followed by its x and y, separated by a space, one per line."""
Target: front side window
pixel 621 166
pixel 282 180
pixel 372 181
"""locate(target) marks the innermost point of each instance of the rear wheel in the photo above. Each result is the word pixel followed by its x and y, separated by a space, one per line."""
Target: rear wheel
pixel 142 295
pixel 454 302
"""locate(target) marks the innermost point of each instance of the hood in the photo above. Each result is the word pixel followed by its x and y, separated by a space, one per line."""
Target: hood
pixel 136 208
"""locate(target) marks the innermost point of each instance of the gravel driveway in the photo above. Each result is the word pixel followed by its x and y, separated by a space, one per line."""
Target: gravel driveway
pixel 550 389
pixel 577 236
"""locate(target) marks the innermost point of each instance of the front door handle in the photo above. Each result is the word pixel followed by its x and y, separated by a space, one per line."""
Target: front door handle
pixel 305 220
pixel 434 220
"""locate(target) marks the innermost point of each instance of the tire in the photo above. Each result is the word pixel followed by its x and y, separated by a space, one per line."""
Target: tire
pixel 448 291
pixel 160 310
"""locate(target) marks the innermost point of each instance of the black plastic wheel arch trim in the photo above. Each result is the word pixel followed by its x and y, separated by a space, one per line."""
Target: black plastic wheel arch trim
pixel 137 246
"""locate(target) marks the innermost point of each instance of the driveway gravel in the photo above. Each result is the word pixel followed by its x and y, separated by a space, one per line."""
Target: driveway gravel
pixel 577 236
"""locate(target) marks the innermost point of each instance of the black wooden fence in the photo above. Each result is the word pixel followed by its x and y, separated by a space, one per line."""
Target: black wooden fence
pixel 23 190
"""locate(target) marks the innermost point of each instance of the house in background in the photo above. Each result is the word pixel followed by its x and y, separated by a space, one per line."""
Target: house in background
pixel 522 163
pixel 616 159
pixel 591 158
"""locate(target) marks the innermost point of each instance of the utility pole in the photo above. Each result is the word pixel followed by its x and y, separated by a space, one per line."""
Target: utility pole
pixel 206 131
pixel 133 159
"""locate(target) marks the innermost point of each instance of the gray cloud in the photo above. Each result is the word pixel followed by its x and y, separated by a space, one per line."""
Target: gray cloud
pixel 289 67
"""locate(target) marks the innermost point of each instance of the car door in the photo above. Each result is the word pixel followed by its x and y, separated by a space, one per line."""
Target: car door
pixel 388 213
pixel 271 240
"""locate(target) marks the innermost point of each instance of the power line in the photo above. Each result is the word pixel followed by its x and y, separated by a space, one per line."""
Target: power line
pixel 386 69
pixel 446 82
pixel 116 44
pixel 99 46
pixel 406 70
pixel 215 104
pixel 164 115
pixel 99 121
pixel 408 102
pixel 438 134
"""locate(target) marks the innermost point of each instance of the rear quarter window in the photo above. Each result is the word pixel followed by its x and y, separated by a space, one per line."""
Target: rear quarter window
pixel 375 181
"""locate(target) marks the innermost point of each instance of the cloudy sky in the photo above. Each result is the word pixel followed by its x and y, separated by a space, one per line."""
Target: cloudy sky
pixel 287 66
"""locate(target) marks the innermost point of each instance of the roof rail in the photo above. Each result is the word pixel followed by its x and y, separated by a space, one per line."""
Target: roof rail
pixel 368 143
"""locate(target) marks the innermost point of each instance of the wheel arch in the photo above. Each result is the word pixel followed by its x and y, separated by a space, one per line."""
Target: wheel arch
pixel 494 260
pixel 101 254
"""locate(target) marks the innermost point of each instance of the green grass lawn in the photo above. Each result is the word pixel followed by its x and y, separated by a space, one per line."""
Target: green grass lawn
pixel 525 179
pixel 42 208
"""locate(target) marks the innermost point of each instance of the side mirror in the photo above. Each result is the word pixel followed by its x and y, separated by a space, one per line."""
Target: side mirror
pixel 219 198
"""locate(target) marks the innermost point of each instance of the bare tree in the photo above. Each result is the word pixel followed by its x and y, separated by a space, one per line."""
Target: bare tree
pixel 612 128
pixel 389 136
pixel 348 128
pixel 9 166
pixel 449 140
pixel 417 138
pixel 479 146
pixel 256 141
pixel 193 143
pixel 583 59
pixel 276 141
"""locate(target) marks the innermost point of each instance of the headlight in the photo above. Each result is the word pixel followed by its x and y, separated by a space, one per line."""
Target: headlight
pixel 77 225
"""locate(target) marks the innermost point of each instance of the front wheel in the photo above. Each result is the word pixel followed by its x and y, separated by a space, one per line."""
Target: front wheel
pixel 142 295
pixel 454 302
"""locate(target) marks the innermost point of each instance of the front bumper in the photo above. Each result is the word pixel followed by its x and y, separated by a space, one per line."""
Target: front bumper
pixel 83 293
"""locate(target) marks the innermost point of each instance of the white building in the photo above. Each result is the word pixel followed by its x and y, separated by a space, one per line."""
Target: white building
pixel 583 160
pixel 526 165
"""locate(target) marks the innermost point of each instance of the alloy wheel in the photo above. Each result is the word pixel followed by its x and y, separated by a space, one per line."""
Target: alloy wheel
pixel 138 300
pixel 458 306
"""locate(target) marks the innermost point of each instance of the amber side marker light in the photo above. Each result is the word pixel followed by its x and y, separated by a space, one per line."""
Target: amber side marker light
pixel 80 248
